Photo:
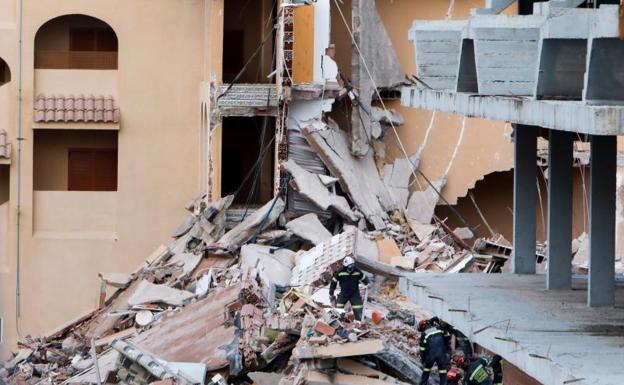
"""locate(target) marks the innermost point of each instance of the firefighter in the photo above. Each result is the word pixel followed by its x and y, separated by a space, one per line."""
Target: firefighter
pixel 453 377
pixel 496 363
pixel 434 349
pixel 475 370
pixel 349 277
pixel 462 342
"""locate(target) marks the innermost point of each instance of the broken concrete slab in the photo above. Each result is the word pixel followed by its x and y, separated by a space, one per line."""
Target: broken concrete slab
pixel 315 377
pixel 421 230
pixel 463 233
pixel 366 247
pixel 187 223
pixel 381 70
pixel 148 292
pixel 421 205
pixel 310 228
pixel 106 319
pixel 107 363
pixel 327 180
pixel 358 175
pixel 397 178
pixel 262 259
pixel 348 349
pixel 187 261
pixel 244 231
pixel 117 280
pixel 406 263
pixel 311 187
pixel 262 378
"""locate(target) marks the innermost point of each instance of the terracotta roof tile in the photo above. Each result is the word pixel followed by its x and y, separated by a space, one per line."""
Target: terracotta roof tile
pixel 73 109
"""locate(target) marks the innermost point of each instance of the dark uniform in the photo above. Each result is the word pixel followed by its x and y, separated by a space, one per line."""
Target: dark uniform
pixel 434 350
pixel 476 373
pixel 349 279
pixel 463 343
pixel 497 368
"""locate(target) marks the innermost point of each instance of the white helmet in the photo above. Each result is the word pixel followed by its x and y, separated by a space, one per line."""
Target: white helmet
pixel 348 261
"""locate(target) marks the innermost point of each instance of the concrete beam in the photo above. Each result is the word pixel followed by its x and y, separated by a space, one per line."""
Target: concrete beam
pixel 602 190
pixel 571 116
pixel 525 199
pixel 560 164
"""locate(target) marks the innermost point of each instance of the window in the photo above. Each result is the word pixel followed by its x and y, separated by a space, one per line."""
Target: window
pixel 92 169
pixel 92 39
pixel 76 42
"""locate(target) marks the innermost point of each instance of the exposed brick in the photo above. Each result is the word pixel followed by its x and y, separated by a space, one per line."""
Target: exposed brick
pixel 324 328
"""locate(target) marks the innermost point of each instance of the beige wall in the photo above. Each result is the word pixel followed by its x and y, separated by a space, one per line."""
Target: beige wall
pixel 77 82
pixel 51 154
pixel 161 66
pixel 484 147
pixel 85 215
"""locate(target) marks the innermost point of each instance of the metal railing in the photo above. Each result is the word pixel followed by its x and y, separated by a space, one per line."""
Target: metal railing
pixel 93 60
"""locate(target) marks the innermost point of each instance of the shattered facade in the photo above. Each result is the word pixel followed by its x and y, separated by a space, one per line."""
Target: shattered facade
pixel 302 155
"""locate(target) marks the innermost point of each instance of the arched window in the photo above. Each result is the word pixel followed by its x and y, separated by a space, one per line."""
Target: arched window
pixel 5 73
pixel 76 42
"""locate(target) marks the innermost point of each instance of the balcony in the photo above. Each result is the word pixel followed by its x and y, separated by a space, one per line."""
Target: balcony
pixel 86 60
pixel 75 214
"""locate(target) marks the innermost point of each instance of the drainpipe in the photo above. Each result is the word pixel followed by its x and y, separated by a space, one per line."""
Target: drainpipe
pixel 19 170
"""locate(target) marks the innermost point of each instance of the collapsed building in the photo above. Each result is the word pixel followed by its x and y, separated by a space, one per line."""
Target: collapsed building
pixel 296 174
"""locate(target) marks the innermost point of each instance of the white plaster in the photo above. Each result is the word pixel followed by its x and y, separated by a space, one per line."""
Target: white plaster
pixel 322 23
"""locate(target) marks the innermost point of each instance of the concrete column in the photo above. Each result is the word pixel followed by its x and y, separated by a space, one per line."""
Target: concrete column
pixel 560 162
pixel 602 182
pixel 525 199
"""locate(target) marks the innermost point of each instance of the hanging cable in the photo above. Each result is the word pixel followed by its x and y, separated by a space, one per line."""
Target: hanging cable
pixel 414 171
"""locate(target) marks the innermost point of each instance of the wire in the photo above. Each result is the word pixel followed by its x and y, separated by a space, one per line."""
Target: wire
pixel 251 58
pixel 394 130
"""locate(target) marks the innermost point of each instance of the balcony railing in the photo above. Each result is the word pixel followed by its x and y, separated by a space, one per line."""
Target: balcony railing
pixel 95 60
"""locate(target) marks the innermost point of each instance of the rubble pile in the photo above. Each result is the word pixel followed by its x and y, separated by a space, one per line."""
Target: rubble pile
pixel 248 302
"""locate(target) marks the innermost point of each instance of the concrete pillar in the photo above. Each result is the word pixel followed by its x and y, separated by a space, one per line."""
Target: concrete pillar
pixel 525 199
pixel 602 182
pixel 560 162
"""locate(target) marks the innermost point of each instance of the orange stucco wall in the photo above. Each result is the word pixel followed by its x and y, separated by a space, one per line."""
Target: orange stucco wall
pixel 165 52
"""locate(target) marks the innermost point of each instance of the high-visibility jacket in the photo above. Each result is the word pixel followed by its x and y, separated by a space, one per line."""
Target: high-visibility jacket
pixel 349 281
pixel 476 373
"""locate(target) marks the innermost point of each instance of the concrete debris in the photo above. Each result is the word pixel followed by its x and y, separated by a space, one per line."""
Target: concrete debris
pixel 358 176
pixel 397 178
pixel 309 227
pixel 264 260
pixel 311 187
pixel 117 280
pixel 316 266
pixel 217 307
pixel 463 233
pixel 148 292
pixel 244 231
pixel 422 204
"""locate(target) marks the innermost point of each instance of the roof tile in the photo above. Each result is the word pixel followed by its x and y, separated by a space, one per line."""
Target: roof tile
pixel 70 108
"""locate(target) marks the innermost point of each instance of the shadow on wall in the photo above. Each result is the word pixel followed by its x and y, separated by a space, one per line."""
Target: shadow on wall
pixel 493 195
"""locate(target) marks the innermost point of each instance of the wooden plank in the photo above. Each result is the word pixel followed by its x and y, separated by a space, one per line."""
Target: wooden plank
pixel 303 45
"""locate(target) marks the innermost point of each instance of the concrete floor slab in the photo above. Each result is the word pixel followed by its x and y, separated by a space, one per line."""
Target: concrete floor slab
pixel 551 335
